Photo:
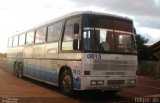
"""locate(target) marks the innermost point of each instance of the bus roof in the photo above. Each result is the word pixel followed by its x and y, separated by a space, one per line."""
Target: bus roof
pixel 74 14
pixel 89 12
pixel 98 13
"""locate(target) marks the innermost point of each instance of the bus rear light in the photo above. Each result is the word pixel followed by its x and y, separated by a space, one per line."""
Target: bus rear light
pixel 86 72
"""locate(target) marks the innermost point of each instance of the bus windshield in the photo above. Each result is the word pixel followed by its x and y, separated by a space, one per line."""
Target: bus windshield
pixel 104 34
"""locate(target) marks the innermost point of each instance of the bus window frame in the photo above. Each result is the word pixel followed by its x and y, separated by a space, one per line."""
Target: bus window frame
pixel 33 37
pixel 35 32
pixel 24 39
pixel 51 24
pixel 80 32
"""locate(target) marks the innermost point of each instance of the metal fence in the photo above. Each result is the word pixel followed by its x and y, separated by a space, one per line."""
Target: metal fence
pixel 150 68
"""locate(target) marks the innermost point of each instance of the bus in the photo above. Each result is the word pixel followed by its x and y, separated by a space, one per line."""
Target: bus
pixel 78 51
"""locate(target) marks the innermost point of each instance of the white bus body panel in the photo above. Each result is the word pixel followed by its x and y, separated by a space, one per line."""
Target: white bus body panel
pixel 114 69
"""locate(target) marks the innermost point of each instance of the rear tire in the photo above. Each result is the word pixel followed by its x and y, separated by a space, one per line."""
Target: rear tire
pixel 66 82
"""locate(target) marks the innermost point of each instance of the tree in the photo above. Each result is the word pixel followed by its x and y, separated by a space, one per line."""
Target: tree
pixel 144 52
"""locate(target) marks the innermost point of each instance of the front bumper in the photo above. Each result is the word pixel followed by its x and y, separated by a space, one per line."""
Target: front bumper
pixel 107 83
pixel 111 87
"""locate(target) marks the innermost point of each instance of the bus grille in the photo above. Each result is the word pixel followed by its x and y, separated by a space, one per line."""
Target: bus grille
pixel 110 65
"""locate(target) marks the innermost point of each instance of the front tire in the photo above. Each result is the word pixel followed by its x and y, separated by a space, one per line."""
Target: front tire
pixel 66 82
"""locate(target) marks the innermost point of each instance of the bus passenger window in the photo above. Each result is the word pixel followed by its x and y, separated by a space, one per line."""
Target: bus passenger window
pixel 40 35
pixel 22 39
pixel 30 38
pixel 54 31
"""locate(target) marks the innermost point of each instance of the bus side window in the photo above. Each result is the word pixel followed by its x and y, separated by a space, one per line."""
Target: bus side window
pixel 22 39
pixel 54 31
pixel 40 35
pixel 69 35
pixel 30 38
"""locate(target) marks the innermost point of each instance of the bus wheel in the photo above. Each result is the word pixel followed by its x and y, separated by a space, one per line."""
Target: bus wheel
pixel 66 82
pixel 20 70
pixel 16 68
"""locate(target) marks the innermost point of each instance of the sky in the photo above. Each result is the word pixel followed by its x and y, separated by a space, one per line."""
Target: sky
pixel 18 15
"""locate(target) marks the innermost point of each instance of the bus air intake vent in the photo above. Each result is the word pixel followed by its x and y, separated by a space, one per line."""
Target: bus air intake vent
pixel 110 65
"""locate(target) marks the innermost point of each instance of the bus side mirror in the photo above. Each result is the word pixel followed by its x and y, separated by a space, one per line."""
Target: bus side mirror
pixel 76 28
pixel 75 44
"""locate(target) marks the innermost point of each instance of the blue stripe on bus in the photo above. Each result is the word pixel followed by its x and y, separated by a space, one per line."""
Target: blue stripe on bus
pixel 76 82
pixel 41 74
pixel 45 75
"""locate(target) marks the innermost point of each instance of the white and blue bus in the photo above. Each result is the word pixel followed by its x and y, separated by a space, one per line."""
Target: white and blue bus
pixel 79 51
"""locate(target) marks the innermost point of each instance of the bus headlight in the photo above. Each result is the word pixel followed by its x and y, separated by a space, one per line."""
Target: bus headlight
pixel 97 82
pixel 93 82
